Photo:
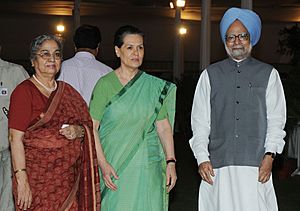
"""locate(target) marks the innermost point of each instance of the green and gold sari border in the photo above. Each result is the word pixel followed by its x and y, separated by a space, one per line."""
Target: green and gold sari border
pixel 125 88
pixel 161 99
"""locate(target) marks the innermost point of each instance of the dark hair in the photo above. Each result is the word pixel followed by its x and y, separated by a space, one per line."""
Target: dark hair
pixel 38 42
pixel 123 31
pixel 87 36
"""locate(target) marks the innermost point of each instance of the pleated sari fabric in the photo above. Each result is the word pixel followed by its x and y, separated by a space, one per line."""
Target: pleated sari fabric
pixel 62 173
pixel 131 144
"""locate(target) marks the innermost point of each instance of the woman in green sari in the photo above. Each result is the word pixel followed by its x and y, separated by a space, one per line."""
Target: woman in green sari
pixel 133 114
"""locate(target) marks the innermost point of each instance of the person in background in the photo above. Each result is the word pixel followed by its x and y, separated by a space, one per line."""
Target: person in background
pixel 83 70
pixel 133 114
pixel 10 76
pixel 238 116
pixel 50 132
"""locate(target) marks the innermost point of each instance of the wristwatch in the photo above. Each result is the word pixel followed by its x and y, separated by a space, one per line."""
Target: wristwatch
pixel 272 154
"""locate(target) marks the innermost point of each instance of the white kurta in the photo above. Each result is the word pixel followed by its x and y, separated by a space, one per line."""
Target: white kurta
pixel 82 72
pixel 236 188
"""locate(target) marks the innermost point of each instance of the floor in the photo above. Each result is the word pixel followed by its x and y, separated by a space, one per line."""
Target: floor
pixel 185 195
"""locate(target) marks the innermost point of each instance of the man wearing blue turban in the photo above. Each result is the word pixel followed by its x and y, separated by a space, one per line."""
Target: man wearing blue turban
pixel 238 117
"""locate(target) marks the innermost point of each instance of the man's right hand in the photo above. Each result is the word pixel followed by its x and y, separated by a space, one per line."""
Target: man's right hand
pixel 206 172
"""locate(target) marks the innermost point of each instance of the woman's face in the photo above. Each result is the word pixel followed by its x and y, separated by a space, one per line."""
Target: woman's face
pixel 131 52
pixel 48 59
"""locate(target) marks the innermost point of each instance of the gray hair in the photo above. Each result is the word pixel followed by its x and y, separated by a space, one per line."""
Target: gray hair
pixel 38 42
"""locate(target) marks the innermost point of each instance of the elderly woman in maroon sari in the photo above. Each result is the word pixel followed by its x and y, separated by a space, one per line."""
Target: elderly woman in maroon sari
pixel 52 144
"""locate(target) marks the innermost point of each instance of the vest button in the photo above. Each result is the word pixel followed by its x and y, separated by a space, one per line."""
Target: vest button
pixel 237 102
pixel 237 118
pixel 239 71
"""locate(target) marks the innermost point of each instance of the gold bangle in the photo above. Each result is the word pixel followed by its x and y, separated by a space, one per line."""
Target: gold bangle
pixel 19 170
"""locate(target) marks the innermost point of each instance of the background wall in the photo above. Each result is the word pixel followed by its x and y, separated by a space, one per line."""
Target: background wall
pixel 17 31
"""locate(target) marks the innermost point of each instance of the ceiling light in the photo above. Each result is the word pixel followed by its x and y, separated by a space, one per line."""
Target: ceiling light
pixel 180 3
pixel 60 28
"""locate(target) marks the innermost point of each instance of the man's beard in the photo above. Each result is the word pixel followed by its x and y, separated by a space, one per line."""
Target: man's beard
pixel 238 52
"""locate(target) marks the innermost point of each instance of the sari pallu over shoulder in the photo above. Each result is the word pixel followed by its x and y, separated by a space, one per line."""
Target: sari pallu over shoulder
pixel 129 121
pixel 62 173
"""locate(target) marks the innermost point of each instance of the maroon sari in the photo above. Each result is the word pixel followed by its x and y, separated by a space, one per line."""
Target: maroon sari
pixel 63 174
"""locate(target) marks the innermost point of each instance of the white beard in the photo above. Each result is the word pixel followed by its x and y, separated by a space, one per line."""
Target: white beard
pixel 240 53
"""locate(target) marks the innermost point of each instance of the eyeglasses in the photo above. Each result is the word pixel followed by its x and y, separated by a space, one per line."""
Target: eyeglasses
pixel 242 37
pixel 47 55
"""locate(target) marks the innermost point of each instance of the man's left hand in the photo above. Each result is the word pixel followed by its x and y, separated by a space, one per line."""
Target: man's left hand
pixel 265 169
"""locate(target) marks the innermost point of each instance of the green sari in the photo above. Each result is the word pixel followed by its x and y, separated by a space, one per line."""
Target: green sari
pixel 131 144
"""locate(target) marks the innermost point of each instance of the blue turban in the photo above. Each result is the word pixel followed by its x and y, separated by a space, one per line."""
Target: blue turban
pixel 247 17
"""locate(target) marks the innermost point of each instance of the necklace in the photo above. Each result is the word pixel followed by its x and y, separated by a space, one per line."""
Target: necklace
pixel 45 87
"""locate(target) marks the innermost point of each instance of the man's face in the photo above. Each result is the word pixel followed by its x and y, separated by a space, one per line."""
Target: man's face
pixel 237 41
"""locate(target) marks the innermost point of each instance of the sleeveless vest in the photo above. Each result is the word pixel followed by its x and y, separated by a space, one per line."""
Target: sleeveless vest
pixel 238 112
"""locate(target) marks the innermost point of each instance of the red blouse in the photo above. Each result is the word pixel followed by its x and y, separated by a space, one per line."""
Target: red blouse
pixel 26 105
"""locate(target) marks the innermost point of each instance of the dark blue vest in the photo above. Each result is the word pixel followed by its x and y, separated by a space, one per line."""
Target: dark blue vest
pixel 238 112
